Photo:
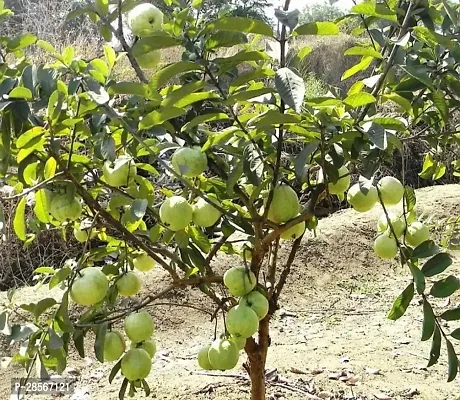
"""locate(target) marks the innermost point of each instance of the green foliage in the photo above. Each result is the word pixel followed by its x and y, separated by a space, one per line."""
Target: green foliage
pixel 71 131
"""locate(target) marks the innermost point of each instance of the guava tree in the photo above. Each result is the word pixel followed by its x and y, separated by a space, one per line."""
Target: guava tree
pixel 168 169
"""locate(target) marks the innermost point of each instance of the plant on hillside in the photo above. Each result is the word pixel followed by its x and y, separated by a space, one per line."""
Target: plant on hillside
pixel 164 172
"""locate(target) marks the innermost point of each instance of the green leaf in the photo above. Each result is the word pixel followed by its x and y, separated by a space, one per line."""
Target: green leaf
pixel 138 208
pixel 401 303
pixel 194 98
pixel 43 305
pixel 99 343
pixel 114 371
pixel 50 168
pixel 435 347
pixel 371 9
pixel 439 100
pixel 361 66
pixel 304 51
pixel 455 334
pixel 242 56
pixel 410 198
pixel 203 119
pixel 110 55
pixel 79 340
pixel 200 239
pixel 159 116
pixel 167 73
pixel 5 329
pixel 437 264
pixel 241 24
pixel 155 233
pixel 291 88
pixel 29 135
pixel 419 278
pixel 42 205
pixel 20 93
pixel 429 321
pixel 452 361
pixel 45 270
pixel 123 387
pixel 97 92
pixel 181 238
pixel 451 12
pixel 377 134
pixel 401 101
pixel 132 88
pixel 21 41
pixel 445 287
pixel 317 28
pixel 420 73
pixel 302 160
pixel 19 221
pixel 55 342
pixel 451 315
pixel 359 99
pixel 151 43
pixel 62 316
pixel 425 250
pixel 59 276
pixel 363 51
pixel 102 6
pixel 225 39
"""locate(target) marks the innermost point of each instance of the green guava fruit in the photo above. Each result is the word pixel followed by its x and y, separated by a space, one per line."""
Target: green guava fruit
pixel 385 246
pixel 242 321
pixel 204 214
pixel 144 19
pixel 417 233
pixel 63 208
pixel 397 222
pixel 284 205
pixel 258 302
pixel 114 346
pixel 148 345
pixel 294 232
pixel 240 341
pixel 223 354
pixel 239 281
pixel 136 364
pixel 391 190
pixel 203 359
pixel 360 200
pixel 341 185
pixel 89 287
pixel 176 213
pixel 128 284
pixel 189 161
pixel 120 172
pixel 139 326
pixel 149 60
pixel 144 263
pixel 81 235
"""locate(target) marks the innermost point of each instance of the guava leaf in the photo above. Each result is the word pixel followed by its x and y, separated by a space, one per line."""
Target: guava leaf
pixel 55 341
pixel 426 249
pixel 437 264
pixel 435 347
pixel 452 360
pixel 451 315
pixel 445 287
pixel 401 303
pixel 290 87
pixel 429 321
pixel 19 221
pixel 99 343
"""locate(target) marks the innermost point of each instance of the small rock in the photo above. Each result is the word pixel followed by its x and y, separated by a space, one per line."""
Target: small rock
pixel 381 396
pixel 325 395
pixel 372 371
pixel 335 376
pixel 411 392
pixel 344 360
pixel 72 371
pixel 285 313
pixel 317 371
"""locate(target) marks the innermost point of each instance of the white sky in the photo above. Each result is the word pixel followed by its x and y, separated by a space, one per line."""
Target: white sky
pixel 300 4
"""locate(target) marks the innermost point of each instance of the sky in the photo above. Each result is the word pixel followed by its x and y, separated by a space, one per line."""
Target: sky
pixel 300 4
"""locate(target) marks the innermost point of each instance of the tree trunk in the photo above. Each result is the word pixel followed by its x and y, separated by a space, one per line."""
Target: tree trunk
pixel 257 356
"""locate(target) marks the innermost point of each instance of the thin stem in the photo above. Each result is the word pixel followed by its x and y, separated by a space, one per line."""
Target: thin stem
pixel 33 188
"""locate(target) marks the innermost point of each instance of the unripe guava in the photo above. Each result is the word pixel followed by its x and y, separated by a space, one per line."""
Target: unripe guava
pixel 149 60
pixel 189 161
pixel 284 205
pixel 411 216
pixel 176 213
pixel 360 200
pixel 148 345
pixel 385 246
pixel 341 185
pixel 240 341
pixel 136 364
pixel 64 208
pixel 203 359
pixel 204 214
pixel 81 235
pixel 258 302
pixel 144 263
pixel 128 284
pixel 239 281
pixel 120 172
pixel 416 234
pixel 294 232
pixel 144 19
pixel 114 346
pixel 391 190
pixel 89 287
pixel 397 222
pixel 139 326
pixel 242 321
pixel 223 354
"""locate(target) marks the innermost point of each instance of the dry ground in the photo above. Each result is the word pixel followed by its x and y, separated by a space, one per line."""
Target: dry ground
pixel 333 322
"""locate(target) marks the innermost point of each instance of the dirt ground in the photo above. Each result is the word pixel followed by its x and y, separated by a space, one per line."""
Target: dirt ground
pixel 330 340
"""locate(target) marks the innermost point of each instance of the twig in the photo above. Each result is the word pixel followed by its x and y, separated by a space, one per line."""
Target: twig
pixel 33 188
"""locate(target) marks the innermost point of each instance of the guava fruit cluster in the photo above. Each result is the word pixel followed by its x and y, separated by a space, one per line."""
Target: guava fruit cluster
pixel 176 212
pixel 242 321
pixel 144 20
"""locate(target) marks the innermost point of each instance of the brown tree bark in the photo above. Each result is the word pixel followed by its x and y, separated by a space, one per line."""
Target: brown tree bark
pixel 257 357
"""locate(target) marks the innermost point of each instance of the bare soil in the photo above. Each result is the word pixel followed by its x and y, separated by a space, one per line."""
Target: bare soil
pixel 331 339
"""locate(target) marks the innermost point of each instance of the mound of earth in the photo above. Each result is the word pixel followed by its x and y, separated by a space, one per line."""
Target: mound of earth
pixel 330 338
